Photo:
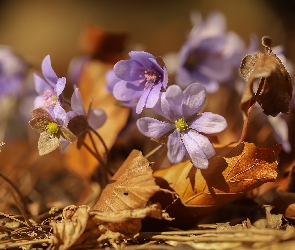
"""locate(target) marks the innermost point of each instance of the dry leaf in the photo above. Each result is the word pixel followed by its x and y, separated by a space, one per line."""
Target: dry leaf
pixel 71 227
pixel 92 86
pixel 101 44
pixel 133 185
pixel 234 170
pixel 276 83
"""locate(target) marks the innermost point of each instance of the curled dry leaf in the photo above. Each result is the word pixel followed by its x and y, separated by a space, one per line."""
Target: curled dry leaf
pixel 275 91
pixel 92 86
pixel 234 170
pixel 66 232
pixel 131 187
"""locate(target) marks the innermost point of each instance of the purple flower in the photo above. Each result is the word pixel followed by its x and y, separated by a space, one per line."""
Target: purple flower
pixel 184 124
pixel 95 117
pixel 49 90
pixel 52 126
pixel 210 53
pixel 141 78
pixel 12 72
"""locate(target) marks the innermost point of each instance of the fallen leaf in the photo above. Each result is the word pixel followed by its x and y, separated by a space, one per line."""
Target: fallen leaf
pixel 275 82
pixel 234 170
pixel 66 232
pixel 131 187
pixel 92 86
pixel 101 44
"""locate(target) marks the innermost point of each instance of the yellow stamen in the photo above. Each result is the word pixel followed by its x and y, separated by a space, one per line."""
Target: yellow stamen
pixel 180 124
pixel 52 128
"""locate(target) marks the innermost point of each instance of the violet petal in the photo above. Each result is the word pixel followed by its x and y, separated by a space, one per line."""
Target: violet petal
pixel 194 99
pixel 153 128
pixel 128 70
pixel 196 154
pixel 208 123
pixel 176 149
pixel 48 72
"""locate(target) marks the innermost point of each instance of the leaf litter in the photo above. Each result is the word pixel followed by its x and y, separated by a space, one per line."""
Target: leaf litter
pixel 179 198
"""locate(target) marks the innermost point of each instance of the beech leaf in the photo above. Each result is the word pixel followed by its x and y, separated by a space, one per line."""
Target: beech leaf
pixel 275 83
pixel 234 170
pixel 131 187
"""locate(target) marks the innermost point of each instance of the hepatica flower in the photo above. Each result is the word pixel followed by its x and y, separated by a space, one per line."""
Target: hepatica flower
pixel 209 54
pixel 184 125
pixel 49 90
pixel 94 118
pixel 12 72
pixel 52 128
pixel 141 78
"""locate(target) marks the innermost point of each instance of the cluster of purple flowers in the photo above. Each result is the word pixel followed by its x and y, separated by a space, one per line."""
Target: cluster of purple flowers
pixel 142 78
pixel 51 100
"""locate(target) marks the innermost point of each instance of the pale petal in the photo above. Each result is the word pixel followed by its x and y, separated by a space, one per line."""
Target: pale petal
pixel 153 96
pixel 142 100
pixel 162 107
pixel 126 91
pixel 128 70
pixel 40 85
pixel 195 153
pixel 174 96
pixel 77 103
pixel 176 149
pixel 208 123
pixel 60 85
pixel 203 142
pixel 48 72
pixel 59 114
pixel 153 128
pixel 142 57
pixel 194 99
pixel 96 118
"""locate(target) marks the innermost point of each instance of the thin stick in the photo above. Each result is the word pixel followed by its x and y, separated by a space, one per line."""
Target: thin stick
pixel 21 208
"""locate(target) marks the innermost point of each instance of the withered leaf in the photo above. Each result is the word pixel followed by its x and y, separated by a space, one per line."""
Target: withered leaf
pixel 234 170
pixel 47 143
pixel 67 134
pixel 133 185
pixel 40 119
pixel 275 82
pixel 66 232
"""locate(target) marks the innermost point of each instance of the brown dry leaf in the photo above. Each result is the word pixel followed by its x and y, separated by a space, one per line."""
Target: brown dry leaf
pixel 234 170
pixel 92 85
pixel 131 187
pixel 71 227
pixel 276 83
pixel 102 44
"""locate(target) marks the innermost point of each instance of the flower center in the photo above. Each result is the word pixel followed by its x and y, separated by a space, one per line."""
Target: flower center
pixel 180 124
pixel 52 128
pixel 150 77
pixel 50 98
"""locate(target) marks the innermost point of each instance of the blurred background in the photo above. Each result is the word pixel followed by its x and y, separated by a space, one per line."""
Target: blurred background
pixel 37 28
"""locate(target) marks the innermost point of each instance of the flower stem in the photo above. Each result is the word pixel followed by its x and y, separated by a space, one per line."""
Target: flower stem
pixel 153 151
pixel 98 157
pixel 103 143
pixel 160 159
